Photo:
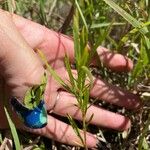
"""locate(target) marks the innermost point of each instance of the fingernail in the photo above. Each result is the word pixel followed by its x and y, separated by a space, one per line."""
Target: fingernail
pixel 33 118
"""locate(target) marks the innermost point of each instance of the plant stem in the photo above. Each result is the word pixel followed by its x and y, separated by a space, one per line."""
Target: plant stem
pixel 84 129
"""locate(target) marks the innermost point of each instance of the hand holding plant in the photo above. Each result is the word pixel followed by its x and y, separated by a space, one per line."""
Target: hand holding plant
pixel 21 68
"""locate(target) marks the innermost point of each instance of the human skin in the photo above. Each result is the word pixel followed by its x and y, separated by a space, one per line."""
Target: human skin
pixel 21 68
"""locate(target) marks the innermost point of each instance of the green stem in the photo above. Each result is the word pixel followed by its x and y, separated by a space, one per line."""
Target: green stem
pixel 84 130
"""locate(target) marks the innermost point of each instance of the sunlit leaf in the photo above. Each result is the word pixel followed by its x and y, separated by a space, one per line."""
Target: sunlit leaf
pixel 13 131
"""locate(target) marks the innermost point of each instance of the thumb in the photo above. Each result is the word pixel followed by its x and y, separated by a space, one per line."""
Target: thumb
pixel 19 65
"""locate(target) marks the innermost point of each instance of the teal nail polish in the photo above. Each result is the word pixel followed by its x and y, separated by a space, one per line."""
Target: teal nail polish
pixel 33 118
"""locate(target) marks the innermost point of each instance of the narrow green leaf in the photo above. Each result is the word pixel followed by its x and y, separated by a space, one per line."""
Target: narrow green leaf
pixel 13 131
pixel 144 131
pixel 86 100
pixel 42 14
pixel 11 5
pixel 144 53
pixel 81 14
pixel 127 16
pixel 101 25
pixel 89 74
pixel 75 127
pixel 137 69
pixel 90 119
pixel 83 40
pixel 147 43
pixel 85 56
pixel 76 37
pixel 49 68
pixel 68 67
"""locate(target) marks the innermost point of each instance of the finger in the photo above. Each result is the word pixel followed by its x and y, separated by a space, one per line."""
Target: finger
pixel 102 90
pixel 115 95
pixel 66 104
pixel 19 65
pixel 55 129
pixel 51 42
pixel 64 133
pixel 114 61
pixel 54 45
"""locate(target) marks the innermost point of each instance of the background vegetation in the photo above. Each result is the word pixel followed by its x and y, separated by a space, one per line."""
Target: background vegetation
pixel 115 29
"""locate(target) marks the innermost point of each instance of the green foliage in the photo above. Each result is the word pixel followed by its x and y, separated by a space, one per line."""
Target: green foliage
pixel 143 144
pixel 35 94
pixel 97 23
pixel 127 17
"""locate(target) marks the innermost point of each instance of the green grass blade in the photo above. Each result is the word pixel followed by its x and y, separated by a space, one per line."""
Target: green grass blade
pixel 89 74
pixel 68 68
pixel 75 128
pixel 76 37
pixel 50 69
pixel 42 13
pixel 81 14
pixel 101 25
pixel 127 16
pixel 11 5
pixel 147 43
pixel 85 57
pixel 13 131
pixel 142 137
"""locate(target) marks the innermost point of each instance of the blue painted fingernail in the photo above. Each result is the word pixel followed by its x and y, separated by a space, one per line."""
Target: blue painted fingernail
pixel 33 118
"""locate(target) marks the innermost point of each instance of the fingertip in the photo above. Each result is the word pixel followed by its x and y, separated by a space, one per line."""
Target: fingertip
pixel 130 64
pixel 123 123
pixel 138 106
pixel 126 63
pixel 133 102
pixel 127 125
pixel 114 61
pixel 91 140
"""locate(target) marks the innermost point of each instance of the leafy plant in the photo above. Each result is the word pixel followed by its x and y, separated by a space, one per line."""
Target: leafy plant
pixel 120 25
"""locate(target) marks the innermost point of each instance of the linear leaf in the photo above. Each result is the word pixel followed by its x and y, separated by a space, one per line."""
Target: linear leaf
pixel 76 37
pixel 81 14
pixel 89 74
pixel 50 69
pixel 68 67
pixel 75 127
pixel 13 131
pixel 101 25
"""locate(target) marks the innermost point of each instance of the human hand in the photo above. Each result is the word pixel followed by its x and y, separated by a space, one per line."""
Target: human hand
pixel 55 46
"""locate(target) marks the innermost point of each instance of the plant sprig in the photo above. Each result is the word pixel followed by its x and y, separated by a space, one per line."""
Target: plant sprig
pixel 35 94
